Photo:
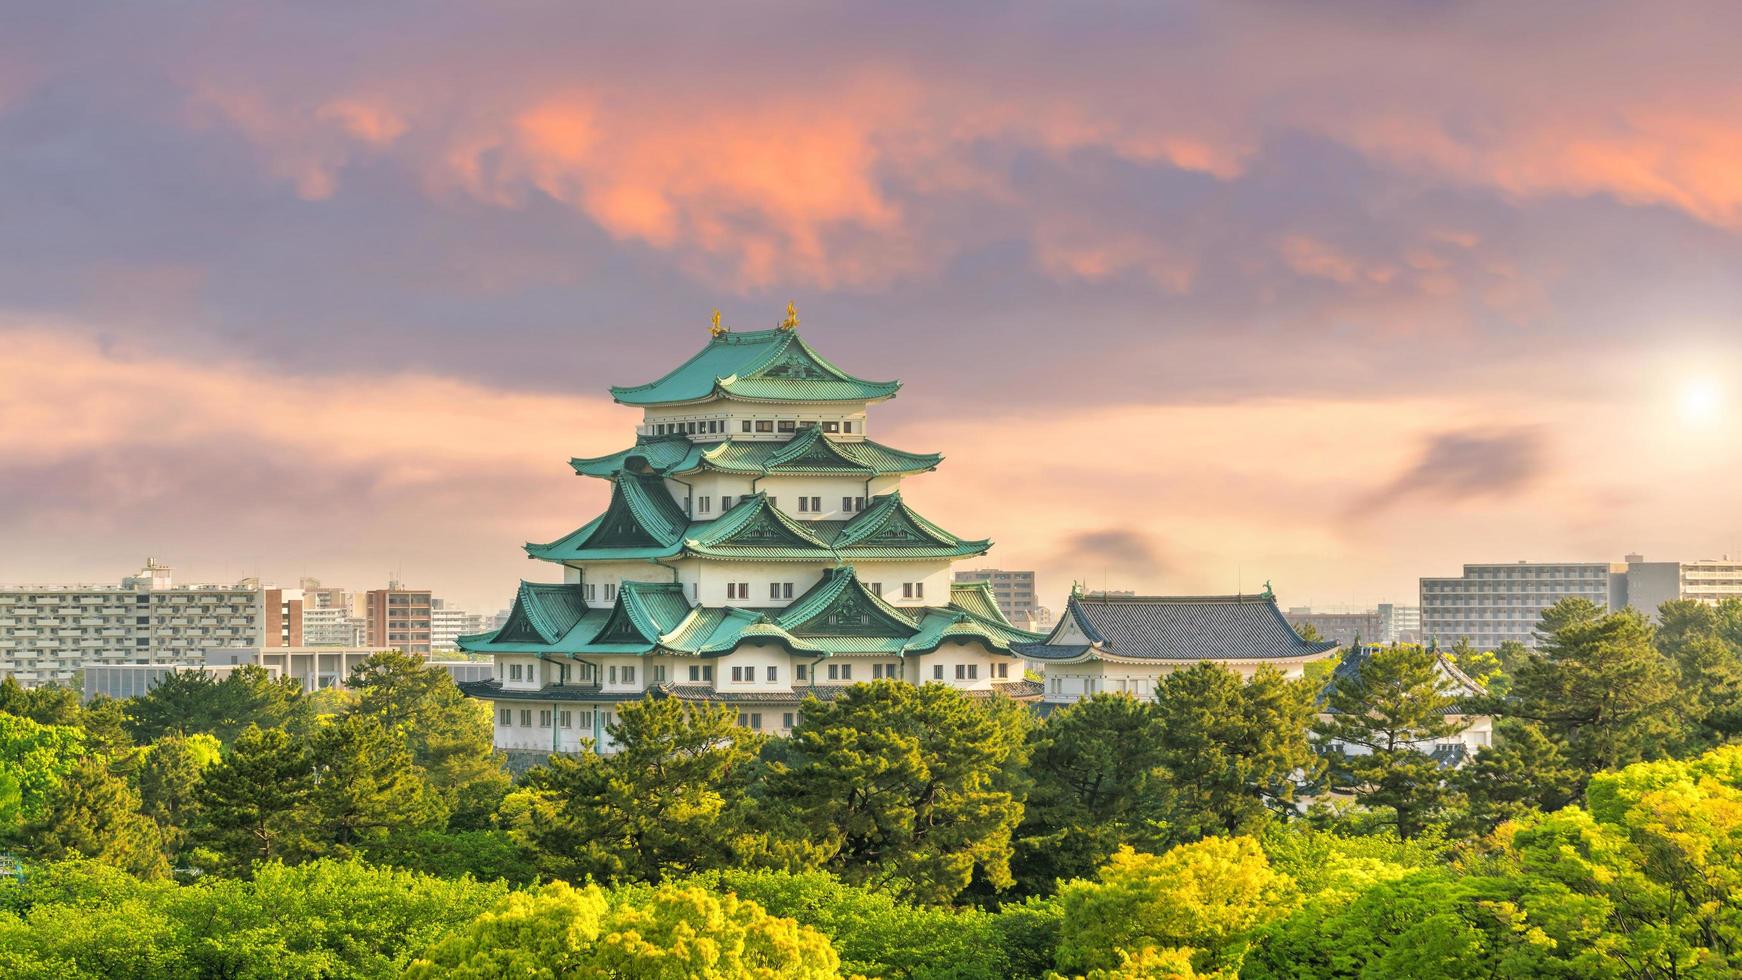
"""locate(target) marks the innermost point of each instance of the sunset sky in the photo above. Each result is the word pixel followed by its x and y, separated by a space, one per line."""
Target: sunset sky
pixel 1190 296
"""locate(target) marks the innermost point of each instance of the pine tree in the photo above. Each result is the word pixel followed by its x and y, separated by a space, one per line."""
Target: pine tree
pixel 365 788
pixel 673 799
pixel 1098 783
pixel 169 783
pixel 1384 707
pixel 906 785
pixel 93 813
pixel 449 735
pixel 253 804
pixel 1598 685
pixel 1522 771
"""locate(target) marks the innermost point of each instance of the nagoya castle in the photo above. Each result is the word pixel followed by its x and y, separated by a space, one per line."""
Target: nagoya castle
pixel 756 552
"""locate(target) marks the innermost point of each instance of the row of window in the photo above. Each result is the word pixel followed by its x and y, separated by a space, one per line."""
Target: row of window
pixel 718 426
pixel 806 505
pixel 563 717
pixel 747 675
pixel 776 590
pixel 753 720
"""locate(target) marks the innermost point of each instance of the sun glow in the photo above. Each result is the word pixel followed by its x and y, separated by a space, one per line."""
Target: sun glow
pixel 1700 400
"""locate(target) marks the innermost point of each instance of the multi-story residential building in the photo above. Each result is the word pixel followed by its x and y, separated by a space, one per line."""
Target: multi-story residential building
pixel 333 626
pixel 52 633
pixel 448 623
pixel 1646 585
pixel 1014 591
pixel 1108 642
pixel 398 618
pixel 1341 628
pixel 1492 604
pixel 1399 624
pixel 756 551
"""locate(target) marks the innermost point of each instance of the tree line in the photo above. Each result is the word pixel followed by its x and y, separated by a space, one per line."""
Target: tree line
pixel 1207 830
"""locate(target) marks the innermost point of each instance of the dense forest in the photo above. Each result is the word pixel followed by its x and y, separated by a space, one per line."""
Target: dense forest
pixel 240 828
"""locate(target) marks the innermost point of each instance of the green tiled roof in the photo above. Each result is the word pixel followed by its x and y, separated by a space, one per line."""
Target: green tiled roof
pixel 757 365
pixel 977 598
pixel 838 616
pixel 543 613
pixel 753 530
pixel 809 451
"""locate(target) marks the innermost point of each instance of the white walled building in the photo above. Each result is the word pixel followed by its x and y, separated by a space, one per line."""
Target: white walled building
pixel 1491 604
pixel 49 634
pixel 756 551
pixel 448 623
pixel 1123 643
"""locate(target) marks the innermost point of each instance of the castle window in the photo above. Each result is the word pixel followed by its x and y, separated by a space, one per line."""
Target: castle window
pixel 937 672
pixel 704 504
pixel 764 425
pixel 725 503
pixel 831 427
pixel 786 720
pixel 804 505
pixel 566 718
pixel 746 424
pixel 507 717
pixel 802 672
pixel 846 427
pixel 788 425
pixel 816 505
pixel 773 674
pixel 544 718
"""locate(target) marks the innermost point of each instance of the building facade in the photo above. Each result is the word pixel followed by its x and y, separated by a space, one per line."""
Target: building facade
pixel 1015 593
pixel 313 668
pixel 1342 628
pixel 1124 643
pixel 398 618
pixel 756 551
pixel 1475 733
pixel 50 634
pixel 448 623
pixel 1493 604
pixel 1399 624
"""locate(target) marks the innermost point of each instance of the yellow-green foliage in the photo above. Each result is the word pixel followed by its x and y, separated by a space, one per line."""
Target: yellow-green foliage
pixel 668 932
pixel 1205 897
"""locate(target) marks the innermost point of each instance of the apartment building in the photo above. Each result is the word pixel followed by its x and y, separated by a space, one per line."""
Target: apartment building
pixel 447 623
pixel 1399 624
pixel 398 618
pixel 1342 628
pixel 51 633
pixel 1495 603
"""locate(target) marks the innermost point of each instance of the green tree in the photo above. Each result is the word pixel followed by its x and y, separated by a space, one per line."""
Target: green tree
pixel 46 704
pixel 1232 749
pixel 1309 633
pixel 191 702
pixel 34 757
pixel 93 813
pixel 253 804
pixel 904 785
pixel 674 798
pixel 1704 642
pixel 1097 784
pixel 1199 902
pixel 450 735
pixel 366 788
pixel 671 931
pixel 1384 707
pixel 1598 686
pixel 1523 770
pixel 169 783
pixel 104 721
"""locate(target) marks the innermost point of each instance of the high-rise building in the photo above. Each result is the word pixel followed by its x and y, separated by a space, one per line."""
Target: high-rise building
pixel 398 618
pixel 1399 624
pixel 756 551
pixel 1492 604
pixel 333 626
pixel 1647 585
pixel 1014 592
pixel 50 633
pixel 448 623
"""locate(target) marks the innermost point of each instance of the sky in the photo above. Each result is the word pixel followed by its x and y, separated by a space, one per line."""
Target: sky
pixel 1191 296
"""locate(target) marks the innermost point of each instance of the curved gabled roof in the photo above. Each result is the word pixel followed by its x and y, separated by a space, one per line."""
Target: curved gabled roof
pixel 756 365
pixel 642 521
pixel 1238 628
pixel 543 612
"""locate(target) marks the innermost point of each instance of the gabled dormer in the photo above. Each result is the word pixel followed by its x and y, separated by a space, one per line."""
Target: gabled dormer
pixel 644 612
pixel 543 613
pixel 841 605
pixel 755 528
pixel 642 521
pixel 890 526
